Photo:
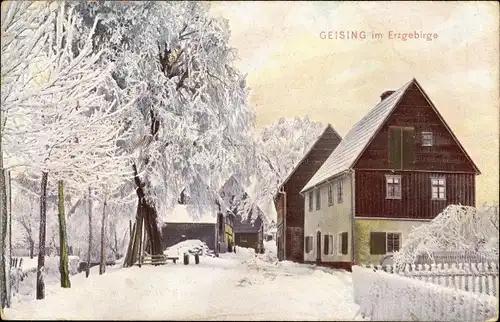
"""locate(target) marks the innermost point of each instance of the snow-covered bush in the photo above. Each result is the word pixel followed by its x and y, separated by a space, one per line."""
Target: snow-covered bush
pixel 390 297
pixel 457 228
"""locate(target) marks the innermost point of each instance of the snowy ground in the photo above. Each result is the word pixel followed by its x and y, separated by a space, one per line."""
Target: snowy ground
pixel 237 286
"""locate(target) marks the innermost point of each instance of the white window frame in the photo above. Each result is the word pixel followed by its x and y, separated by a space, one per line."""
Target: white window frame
pixel 392 177
pixel 438 186
pixel 340 191
pixel 426 137
pixel 339 244
pixel 318 198
pixel 311 200
pixel 387 240
pixel 330 194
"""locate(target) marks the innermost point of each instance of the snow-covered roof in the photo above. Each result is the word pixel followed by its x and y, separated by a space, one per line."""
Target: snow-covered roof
pixel 182 214
pixel 296 166
pixel 356 140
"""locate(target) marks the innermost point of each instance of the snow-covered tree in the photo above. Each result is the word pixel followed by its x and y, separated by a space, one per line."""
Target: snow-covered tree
pixel 191 119
pixel 457 228
pixel 281 145
pixel 60 119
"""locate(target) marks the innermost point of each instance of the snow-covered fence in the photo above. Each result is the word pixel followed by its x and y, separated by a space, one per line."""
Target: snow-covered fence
pixel 471 277
pixel 456 257
pixel 391 297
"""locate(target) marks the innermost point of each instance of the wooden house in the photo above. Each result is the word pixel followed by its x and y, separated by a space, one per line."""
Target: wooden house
pixel 290 204
pixel 180 225
pixel 398 167
pixel 249 232
pixel 214 225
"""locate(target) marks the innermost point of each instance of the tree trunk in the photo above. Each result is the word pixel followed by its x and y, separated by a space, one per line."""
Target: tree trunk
pixel 137 238
pixel 102 264
pixel 40 284
pixel 9 291
pixel 87 272
pixel 128 260
pixel 148 213
pixel 32 248
pixel 63 245
pixel 3 225
pixel 4 261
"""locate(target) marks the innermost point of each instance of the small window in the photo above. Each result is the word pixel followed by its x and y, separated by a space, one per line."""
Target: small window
pixel 330 194
pixel 309 243
pixel 438 188
pixel 382 243
pixel 393 187
pixel 318 199
pixel 340 191
pixel 393 242
pixel 310 201
pixel 427 139
pixel 243 239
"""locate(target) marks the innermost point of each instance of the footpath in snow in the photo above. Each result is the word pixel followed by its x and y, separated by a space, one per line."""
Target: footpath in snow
pixel 239 286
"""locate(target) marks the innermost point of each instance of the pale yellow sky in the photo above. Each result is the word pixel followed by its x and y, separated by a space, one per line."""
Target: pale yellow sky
pixel 293 72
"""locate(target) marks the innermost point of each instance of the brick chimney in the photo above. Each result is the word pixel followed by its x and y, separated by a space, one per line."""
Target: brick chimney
pixel 385 94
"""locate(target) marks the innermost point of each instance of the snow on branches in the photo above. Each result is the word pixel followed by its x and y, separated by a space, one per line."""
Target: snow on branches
pixel 62 113
pixel 191 120
pixel 456 228
pixel 282 145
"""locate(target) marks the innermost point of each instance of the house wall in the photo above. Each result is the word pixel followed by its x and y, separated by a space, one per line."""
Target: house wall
pixel 415 111
pixel 363 228
pixel 280 230
pixel 173 233
pixel 416 194
pixel 329 220
pixel 294 229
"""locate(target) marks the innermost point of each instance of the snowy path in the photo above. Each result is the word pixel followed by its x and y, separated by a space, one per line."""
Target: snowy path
pixel 234 287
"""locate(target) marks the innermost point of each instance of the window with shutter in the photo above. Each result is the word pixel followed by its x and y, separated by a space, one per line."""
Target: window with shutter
pixel 408 147
pixel 318 199
pixel 310 201
pixel 330 194
pixel 330 244
pixel 377 243
pixel 395 148
pixel 345 243
pixel 340 191
pixel 326 248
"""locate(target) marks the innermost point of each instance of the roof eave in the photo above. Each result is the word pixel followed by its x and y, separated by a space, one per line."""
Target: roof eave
pixel 338 174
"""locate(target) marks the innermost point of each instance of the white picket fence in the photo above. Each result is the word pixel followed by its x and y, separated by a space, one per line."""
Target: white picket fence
pixel 471 277
pixel 384 296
